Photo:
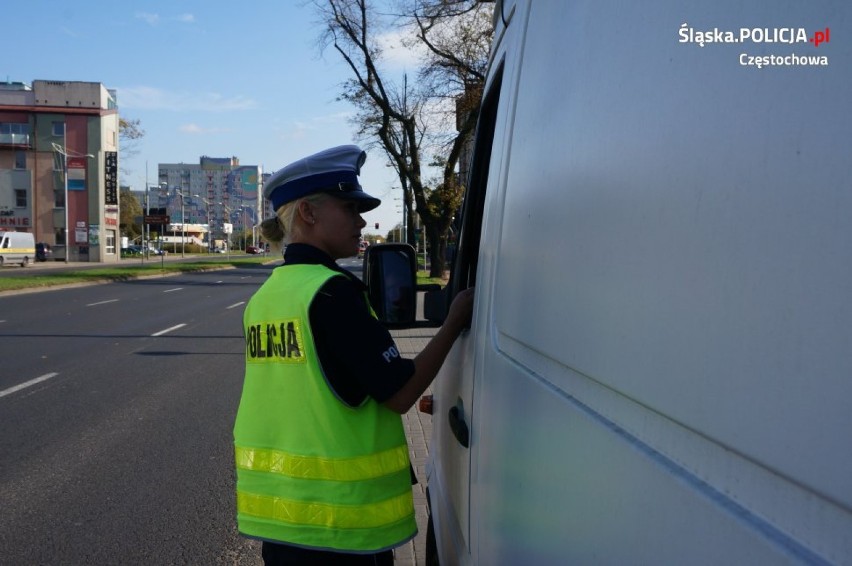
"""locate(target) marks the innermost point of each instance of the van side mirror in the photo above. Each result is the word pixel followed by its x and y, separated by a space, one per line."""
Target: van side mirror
pixel 390 273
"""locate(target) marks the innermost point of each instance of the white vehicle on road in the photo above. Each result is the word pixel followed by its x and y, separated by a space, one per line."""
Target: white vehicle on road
pixel 657 225
pixel 17 247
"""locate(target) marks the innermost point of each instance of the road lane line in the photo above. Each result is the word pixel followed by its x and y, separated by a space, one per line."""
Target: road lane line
pixel 26 384
pixel 235 305
pixel 175 289
pixel 161 332
pixel 102 303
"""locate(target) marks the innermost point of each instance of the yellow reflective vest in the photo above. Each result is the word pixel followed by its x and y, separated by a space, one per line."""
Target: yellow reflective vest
pixel 312 471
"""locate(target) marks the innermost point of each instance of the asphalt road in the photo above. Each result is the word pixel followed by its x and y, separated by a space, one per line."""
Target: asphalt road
pixel 117 403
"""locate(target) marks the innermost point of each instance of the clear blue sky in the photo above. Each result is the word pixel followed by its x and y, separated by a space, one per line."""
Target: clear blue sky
pixel 244 79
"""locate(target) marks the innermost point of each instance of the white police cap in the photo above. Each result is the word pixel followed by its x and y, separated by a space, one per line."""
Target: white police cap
pixel 334 171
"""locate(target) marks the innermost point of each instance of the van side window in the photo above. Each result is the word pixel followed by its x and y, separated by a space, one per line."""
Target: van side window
pixel 469 233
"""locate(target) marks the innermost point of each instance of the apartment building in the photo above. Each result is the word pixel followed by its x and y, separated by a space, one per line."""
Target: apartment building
pixel 59 166
pixel 216 191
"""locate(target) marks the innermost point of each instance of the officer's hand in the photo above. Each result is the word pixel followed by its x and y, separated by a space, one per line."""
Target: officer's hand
pixel 461 310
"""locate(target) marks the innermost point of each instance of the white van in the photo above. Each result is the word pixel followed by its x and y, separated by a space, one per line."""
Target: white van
pixel 657 224
pixel 17 247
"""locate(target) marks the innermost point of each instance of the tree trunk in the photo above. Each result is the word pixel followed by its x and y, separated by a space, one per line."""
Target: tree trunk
pixel 437 250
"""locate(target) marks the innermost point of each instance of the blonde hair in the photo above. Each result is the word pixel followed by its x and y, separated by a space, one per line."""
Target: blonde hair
pixel 279 230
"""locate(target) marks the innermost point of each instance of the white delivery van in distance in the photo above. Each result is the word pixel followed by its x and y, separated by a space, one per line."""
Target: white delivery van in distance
pixel 17 247
pixel 658 225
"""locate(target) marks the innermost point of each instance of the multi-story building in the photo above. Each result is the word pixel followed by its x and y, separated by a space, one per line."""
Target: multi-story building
pixel 59 166
pixel 217 191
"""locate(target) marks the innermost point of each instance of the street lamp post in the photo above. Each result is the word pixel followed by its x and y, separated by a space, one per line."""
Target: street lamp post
pixel 209 227
pixel 245 225
pixel 146 228
pixel 65 154
pixel 182 224
pixel 162 191
pixel 207 204
pixel 402 232
pixel 227 234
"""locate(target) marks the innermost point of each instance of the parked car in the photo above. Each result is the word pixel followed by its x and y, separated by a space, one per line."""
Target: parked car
pixel 43 251
pixel 254 250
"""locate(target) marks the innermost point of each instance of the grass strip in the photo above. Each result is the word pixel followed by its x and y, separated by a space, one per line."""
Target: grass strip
pixel 115 273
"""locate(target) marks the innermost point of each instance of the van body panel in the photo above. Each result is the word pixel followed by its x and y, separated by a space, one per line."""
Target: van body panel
pixel 678 256
pixel 658 368
pixel 577 489
pixel 452 470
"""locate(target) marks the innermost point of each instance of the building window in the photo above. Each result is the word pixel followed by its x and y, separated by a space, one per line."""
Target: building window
pixel 21 198
pixel 20 160
pixel 110 242
pixel 59 198
pixel 14 133
pixel 59 129
pixel 60 236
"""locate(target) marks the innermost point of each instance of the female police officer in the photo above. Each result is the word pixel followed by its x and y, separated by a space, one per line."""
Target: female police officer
pixel 323 475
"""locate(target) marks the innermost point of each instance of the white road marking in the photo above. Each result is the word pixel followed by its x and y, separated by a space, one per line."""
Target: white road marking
pixel 26 384
pixel 235 305
pixel 161 332
pixel 175 289
pixel 102 303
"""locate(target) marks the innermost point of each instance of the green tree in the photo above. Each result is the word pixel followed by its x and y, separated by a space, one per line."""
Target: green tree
pixel 129 134
pixel 129 211
pixel 429 123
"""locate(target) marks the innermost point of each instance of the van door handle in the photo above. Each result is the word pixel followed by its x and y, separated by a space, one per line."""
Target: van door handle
pixel 459 427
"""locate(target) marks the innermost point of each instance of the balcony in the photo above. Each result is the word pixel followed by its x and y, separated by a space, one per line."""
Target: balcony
pixel 21 140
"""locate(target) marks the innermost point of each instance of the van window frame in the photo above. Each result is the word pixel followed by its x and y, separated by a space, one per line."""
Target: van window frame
pixel 465 264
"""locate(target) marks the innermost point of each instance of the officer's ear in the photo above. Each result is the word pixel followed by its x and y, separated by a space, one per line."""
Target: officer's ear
pixel 305 210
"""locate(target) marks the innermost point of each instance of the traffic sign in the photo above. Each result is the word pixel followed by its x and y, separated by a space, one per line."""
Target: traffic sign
pixel 157 219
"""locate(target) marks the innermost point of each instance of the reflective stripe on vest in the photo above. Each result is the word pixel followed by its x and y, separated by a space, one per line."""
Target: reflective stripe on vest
pixel 324 514
pixel 313 468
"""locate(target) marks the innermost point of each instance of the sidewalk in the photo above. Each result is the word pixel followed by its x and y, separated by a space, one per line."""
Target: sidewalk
pixel 418 430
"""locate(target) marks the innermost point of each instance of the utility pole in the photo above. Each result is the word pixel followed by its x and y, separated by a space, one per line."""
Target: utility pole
pixel 182 224
pixel 146 229
pixel 404 179
pixel 64 151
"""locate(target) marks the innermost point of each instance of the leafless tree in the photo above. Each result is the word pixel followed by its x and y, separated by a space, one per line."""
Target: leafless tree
pixel 130 133
pixel 424 124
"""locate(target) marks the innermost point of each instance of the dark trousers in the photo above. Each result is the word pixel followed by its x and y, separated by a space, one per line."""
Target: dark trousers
pixel 285 555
